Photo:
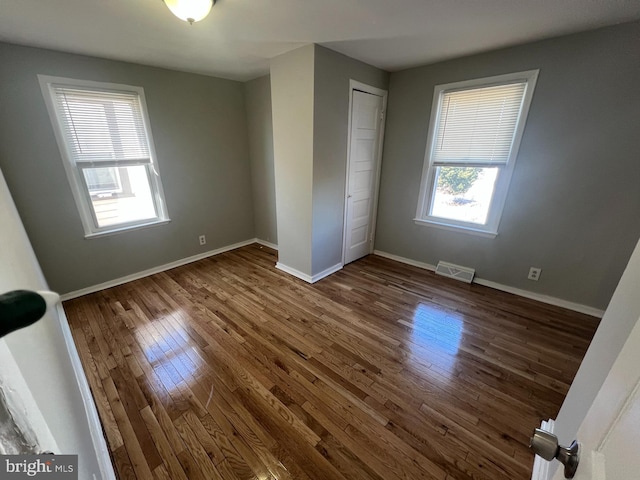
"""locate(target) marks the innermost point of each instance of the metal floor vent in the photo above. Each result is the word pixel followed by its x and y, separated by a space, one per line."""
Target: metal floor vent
pixel 464 274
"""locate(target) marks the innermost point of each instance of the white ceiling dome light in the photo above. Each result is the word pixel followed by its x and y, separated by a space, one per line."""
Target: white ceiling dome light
pixel 190 10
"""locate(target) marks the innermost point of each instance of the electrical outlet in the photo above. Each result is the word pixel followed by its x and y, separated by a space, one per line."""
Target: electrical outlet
pixel 534 273
pixel 203 239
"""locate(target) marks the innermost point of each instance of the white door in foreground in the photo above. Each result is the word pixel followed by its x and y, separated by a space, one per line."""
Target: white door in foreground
pixel 609 436
pixel 366 122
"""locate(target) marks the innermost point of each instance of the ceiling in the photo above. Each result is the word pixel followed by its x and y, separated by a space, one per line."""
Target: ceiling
pixel 240 36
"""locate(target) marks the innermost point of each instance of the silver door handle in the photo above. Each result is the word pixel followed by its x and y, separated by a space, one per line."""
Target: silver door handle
pixel 546 445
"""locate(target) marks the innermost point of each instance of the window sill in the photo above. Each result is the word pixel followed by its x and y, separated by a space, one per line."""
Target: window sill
pixel 455 228
pixel 129 228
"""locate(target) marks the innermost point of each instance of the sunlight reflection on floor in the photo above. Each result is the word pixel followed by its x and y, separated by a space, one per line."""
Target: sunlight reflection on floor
pixel 167 351
pixel 435 337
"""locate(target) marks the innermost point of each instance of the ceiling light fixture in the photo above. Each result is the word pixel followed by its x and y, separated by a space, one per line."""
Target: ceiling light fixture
pixel 190 10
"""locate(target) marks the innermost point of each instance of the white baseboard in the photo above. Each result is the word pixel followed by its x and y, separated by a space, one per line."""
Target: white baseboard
pixel 577 307
pixel 95 426
pixel 294 272
pixel 308 278
pixel 558 302
pixel 266 244
pixel 408 261
pixel 151 271
pixel 540 465
pixel 548 299
pixel 326 273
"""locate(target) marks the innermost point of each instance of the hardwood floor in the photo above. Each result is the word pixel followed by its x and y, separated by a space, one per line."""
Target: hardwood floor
pixel 230 369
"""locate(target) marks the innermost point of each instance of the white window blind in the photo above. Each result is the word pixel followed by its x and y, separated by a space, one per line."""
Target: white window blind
pixel 102 127
pixel 477 126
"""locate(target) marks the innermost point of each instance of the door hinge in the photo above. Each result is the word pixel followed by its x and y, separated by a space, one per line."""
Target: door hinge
pixel 382 115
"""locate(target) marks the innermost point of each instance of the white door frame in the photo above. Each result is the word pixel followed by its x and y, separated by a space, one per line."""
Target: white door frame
pixel 363 87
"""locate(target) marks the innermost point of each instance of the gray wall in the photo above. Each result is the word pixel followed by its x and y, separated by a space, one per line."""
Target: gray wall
pixel 573 204
pixel 200 134
pixel 330 132
pixel 310 188
pixel 258 107
pixel 292 105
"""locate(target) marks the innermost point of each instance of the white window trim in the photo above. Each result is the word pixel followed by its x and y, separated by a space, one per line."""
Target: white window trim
pixel 490 229
pixel 73 172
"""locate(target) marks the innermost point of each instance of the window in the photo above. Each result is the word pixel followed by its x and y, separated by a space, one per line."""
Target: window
pixel 474 136
pixel 105 141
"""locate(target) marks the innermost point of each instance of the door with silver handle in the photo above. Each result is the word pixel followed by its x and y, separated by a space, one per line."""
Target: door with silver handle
pixel 546 445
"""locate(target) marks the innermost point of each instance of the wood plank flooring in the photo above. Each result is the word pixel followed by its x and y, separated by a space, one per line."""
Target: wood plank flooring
pixel 230 369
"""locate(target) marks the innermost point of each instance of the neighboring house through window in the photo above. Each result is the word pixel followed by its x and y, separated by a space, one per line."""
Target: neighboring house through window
pixel 474 135
pixel 107 149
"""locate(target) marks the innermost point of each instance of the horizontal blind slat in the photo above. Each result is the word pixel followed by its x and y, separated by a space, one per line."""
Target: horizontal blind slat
pixel 478 125
pixel 104 163
pixel 101 125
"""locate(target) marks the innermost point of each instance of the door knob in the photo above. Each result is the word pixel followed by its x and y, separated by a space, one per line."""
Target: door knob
pixel 21 308
pixel 546 445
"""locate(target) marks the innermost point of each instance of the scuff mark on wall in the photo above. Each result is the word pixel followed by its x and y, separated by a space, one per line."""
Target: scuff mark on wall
pixel 16 435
